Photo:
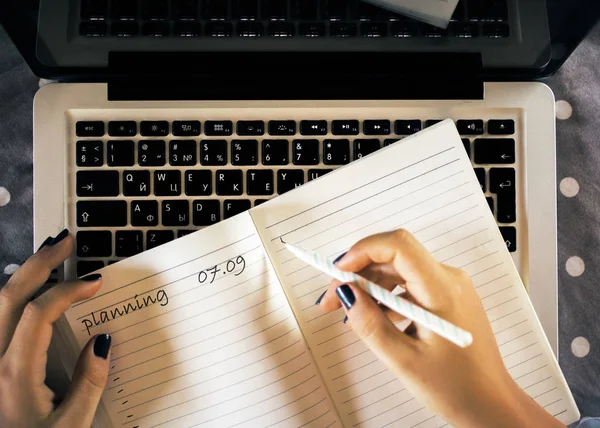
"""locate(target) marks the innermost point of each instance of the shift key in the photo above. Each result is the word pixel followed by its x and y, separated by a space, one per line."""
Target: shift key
pixel 101 213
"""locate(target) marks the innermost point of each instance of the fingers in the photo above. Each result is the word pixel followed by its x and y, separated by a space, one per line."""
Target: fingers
pixel 26 281
pixel 370 323
pixel 34 331
pixel 79 406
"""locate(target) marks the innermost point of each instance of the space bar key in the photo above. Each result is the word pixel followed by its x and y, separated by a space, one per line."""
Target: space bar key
pixel 101 213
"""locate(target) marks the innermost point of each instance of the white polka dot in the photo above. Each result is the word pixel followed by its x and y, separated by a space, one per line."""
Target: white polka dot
pixel 563 110
pixel 580 347
pixel 10 269
pixel 575 266
pixel 569 187
pixel 4 196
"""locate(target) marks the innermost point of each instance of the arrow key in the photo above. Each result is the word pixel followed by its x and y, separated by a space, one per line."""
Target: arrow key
pixel 502 180
pixel 509 234
pixel 494 151
pixel 94 244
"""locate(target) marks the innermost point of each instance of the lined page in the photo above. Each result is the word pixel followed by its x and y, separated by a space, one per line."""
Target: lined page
pixel 203 336
pixel 426 185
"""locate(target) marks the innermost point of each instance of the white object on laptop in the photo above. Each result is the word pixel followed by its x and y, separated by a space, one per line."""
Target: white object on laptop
pixel 434 12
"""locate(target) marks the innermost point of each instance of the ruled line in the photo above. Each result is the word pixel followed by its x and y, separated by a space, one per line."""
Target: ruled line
pixel 353 370
pixel 554 402
pixel 371 390
pixel 528 373
pixel 538 382
pixel 457 241
pixel 403 417
pixel 515 338
pixel 499 291
pixel 375 402
pixel 449 230
pixel 293 416
pixel 334 337
pixel 519 350
pixel 492 280
pixel 479 259
pixel 486 269
pixel 384 412
pixel 524 361
pixel 362 380
pixel 508 328
pixel 339 349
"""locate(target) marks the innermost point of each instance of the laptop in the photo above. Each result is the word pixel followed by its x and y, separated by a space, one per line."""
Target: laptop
pixel 169 116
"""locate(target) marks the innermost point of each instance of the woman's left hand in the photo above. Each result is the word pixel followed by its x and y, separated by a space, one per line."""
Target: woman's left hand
pixel 25 333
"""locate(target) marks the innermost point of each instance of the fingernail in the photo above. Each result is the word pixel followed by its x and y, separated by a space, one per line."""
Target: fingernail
pixel 46 242
pixel 92 277
pixel 345 319
pixel 345 295
pixel 62 235
pixel 102 346
pixel 320 298
pixel 339 258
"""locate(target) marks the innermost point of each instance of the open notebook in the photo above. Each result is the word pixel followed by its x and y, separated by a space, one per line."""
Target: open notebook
pixel 219 328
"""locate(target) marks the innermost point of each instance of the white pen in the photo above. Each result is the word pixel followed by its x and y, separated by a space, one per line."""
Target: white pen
pixel 402 306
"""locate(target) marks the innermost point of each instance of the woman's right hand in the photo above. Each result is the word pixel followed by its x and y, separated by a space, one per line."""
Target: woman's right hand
pixel 467 387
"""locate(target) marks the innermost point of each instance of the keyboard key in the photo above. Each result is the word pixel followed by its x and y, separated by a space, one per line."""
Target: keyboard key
pixel 158 128
pixel 467 144
pixel 470 127
pixel 389 141
pixel 218 127
pixel 336 152
pixel 490 202
pixel 496 31
pixel 89 153
pixel 334 10
pixel 155 10
pixel 250 127
pixel 128 243
pixel 229 182
pixel 502 180
pixel 494 150
pixel 480 173
pixel 275 152
pixel 185 232
pixel 249 29
pixel 155 29
pixel 244 9
pixel 206 212
pixel 459 12
pixel 214 10
pixel 120 153
pixel 233 207
pixel 281 29
pixel 404 29
pixel 186 128
pixel 282 127
pixel 342 29
pixel 376 127
pixel 86 267
pixel 364 147
pixel 313 174
pixel 185 10
pixel 345 127
pixel 198 182
pixel 144 213
pixel 432 31
pixel 94 244
pixel 167 183
pixel 151 153
pixel 213 152
pixel 94 10
pixel 187 29
pixel 313 127
pixel 274 10
pixel 373 29
pixel 97 183
pixel 509 234
pixel 305 152
pixel 244 152
pixel 288 179
pixel 136 183
pixel 305 10
pixel 154 238
pixel 407 127
pixel 463 29
pixel 369 12
pixel 124 10
pixel 501 127
pixel 101 213
pixel 125 128
pixel 316 29
pixel 89 129
pixel 259 182
pixel 219 29
pixel 182 153
pixel 431 122
pixel 258 202
pixel 175 212
pixel 93 29
pixel 487 10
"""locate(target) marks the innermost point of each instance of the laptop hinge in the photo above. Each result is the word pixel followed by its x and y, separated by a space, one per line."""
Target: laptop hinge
pixel 145 76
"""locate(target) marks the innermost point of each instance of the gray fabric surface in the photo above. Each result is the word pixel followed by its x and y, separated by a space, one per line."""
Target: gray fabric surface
pixel 578 141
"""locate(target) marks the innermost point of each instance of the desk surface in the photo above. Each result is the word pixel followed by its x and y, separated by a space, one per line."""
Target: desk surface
pixel 577 89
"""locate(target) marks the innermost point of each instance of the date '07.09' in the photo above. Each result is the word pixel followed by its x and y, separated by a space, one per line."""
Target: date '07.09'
pixel 235 266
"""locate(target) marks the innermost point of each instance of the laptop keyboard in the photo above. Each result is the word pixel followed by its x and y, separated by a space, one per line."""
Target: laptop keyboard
pixel 280 18
pixel 140 184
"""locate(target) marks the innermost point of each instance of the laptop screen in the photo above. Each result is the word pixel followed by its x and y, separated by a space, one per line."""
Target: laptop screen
pixel 510 39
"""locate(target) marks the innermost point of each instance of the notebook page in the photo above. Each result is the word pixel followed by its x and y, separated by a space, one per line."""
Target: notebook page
pixel 203 336
pixel 426 185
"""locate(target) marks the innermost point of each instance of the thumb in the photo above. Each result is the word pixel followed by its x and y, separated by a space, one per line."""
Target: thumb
pixel 394 348
pixel 79 406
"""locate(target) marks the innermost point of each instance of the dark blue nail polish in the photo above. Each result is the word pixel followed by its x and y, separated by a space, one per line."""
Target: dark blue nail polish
pixel 320 297
pixel 346 296
pixel 46 242
pixel 102 345
pixel 345 319
pixel 62 235
pixel 338 258
pixel 92 277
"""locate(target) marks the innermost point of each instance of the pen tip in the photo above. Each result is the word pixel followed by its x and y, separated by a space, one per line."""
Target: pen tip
pixel 282 241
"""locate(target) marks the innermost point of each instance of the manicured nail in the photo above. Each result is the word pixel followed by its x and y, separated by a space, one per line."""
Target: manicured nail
pixel 46 242
pixel 345 295
pixel 320 298
pixel 92 277
pixel 339 258
pixel 62 235
pixel 345 319
pixel 102 346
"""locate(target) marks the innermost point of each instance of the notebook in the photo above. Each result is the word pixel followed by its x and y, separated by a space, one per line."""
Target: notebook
pixel 219 328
